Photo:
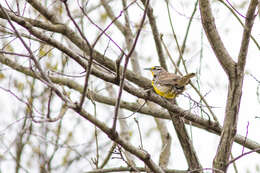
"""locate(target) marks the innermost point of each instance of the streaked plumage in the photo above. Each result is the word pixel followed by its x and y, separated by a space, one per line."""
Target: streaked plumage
pixel 168 85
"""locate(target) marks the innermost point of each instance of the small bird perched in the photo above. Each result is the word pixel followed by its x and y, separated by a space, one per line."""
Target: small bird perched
pixel 168 85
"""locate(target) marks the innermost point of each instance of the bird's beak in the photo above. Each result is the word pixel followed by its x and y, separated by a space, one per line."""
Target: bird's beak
pixel 148 68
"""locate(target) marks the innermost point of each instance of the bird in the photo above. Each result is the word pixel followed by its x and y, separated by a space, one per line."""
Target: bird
pixel 168 85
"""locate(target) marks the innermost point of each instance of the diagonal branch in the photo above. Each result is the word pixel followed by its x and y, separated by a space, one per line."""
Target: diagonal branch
pixel 234 97
pixel 189 118
pixel 214 39
pixel 186 143
pixel 110 13
pixel 129 38
pixel 52 17
pixel 141 154
pixel 156 36
pixel 43 77
pixel 30 25
pixel 90 59
pixel 125 67
pixel 250 16
pixel 165 138
pixel 240 21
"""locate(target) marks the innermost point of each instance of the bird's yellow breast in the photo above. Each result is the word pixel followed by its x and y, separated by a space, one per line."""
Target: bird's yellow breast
pixel 164 91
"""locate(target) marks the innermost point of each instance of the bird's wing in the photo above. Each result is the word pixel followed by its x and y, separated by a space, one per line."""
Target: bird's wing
pixel 168 79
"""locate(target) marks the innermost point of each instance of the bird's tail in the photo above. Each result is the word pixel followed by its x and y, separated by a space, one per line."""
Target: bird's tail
pixel 185 79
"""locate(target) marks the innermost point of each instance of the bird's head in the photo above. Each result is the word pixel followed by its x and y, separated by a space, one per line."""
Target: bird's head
pixel 155 70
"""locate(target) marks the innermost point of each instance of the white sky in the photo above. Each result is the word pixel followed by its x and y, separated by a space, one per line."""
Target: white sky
pixel 212 81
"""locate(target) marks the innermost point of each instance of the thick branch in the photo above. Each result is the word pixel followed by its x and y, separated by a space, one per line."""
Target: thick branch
pixel 234 97
pixel 52 17
pixel 128 169
pixel 30 25
pixel 186 144
pixel 214 39
pixel 189 118
pixel 142 155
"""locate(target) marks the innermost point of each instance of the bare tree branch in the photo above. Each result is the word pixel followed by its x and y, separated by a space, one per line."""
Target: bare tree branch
pixel 156 36
pixel 187 146
pixel 216 43
pixel 70 56
pixel 52 17
pixel 43 76
pixel 235 72
pixel 141 154
pixel 88 68
pixel 71 35
pixel 125 169
pixel 189 118
pixel 250 17
pixel 166 143
pixel 129 39
pixel 110 13
pixel 125 67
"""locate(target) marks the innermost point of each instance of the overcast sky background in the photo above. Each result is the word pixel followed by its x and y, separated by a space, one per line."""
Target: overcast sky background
pixel 212 81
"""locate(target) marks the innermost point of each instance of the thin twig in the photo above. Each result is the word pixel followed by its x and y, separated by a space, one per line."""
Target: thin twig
pixel 235 9
pixel 128 35
pixel 110 152
pixel 187 32
pixel 169 55
pixel 31 108
pixel 239 20
pixel 43 77
pixel 133 112
pixel 103 31
pixel 113 21
pixel 206 169
pixel 156 36
pixel 234 163
pixel 92 47
pixel 49 104
pixel 174 34
pixel 120 152
pixel 242 155
pixel 139 132
pixel 118 62
pixel 13 53
pixel 245 137
pixel 125 67
pixel 90 55
pixel 96 131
